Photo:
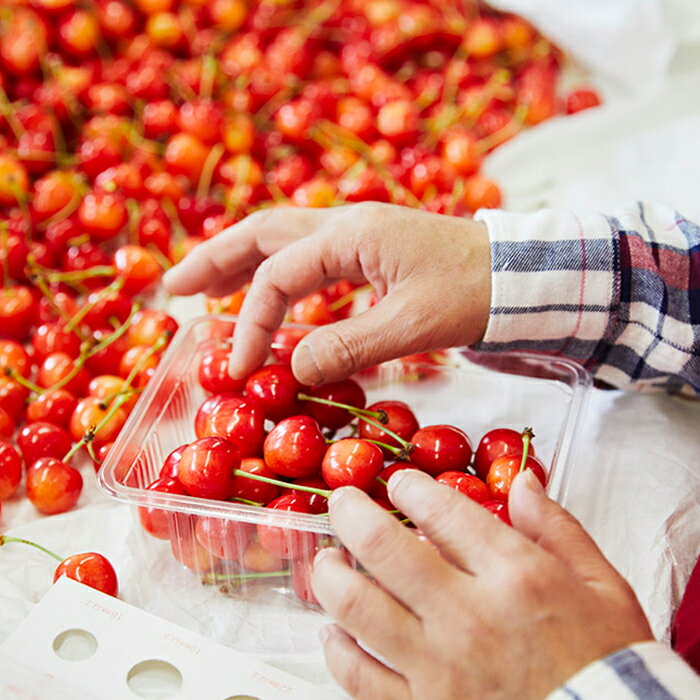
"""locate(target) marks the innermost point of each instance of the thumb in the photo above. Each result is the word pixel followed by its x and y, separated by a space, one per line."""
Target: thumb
pixel 547 524
pixel 333 352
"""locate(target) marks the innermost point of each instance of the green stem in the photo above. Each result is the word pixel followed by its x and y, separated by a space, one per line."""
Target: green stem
pixel 238 499
pixel 400 452
pixel 527 437
pixel 105 342
pixel 282 484
pixel 225 578
pixel 15 376
pixel 102 294
pixel 4 539
pixel 79 275
pixel 379 415
pixel 349 297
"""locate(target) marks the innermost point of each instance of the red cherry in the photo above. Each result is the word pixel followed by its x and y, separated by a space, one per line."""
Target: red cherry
pixel 581 98
pixel 108 360
pixel 317 503
pixel 171 465
pixel 90 412
pixel 90 569
pixel 400 420
pixel 56 367
pixel 288 543
pixel 469 485
pixel 379 491
pixel 301 582
pixel 84 257
pixel 214 375
pixel 206 468
pixel 352 462
pixel 189 552
pixel 12 396
pixel 101 454
pixel 284 340
pixel 7 425
pixel 102 214
pixel 252 490
pixel 224 539
pixel 257 558
pixel 499 509
pixel 104 305
pixel 42 439
pixel 439 448
pixel 347 392
pixel 161 523
pixel 159 119
pixel 10 470
pixel 276 389
pixel 54 407
pixel 204 412
pixel 312 310
pixel 496 443
pixel 54 337
pixel 504 469
pixel 138 267
pixel 203 118
pixel 14 358
pixel 53 486
pixel 48 311
pixel 17 311
pixel 148 325
pixel 295 447
pixel 239 420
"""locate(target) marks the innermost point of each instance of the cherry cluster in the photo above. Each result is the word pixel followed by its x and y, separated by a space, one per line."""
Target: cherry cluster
pixel 269 442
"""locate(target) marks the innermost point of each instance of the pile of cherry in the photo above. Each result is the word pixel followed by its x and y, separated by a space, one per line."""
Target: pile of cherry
pixel 267 441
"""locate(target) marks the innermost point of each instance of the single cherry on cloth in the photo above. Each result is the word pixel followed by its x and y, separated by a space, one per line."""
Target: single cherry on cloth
pixel 171 464
pixel 224 539
pixel 499 510
pixel 504 469
pixel 295 447
pixel 91 569
pixel 347 392
pixel 496 443
pixel 55 406
pixel 53 486
pixel 42 439
pixel 352 462
pixel 468 484
pixel 158 522
pixel 440 448
pixel 252 490
pixel 399 420
pixel 213 373
pixel 288 543
pixel 276 389
pixel 242 421
pixel 206 468
pixel 10 470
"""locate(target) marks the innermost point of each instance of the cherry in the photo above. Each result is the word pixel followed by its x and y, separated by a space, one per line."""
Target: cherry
pixel 242 421
pixel 148 325
pixel 284 340
pixel 171 465
pixel 137 266
pixel 141 356
pixel 288 543
pixel 56 368
pixel 159 119
pixel 439 448
pixel 101 455
pixel 7 425
pixel 256 491
pixel 187 550
pixel 480 193
pixel 55 407
pixel 347 392
pixel 12 396
pixel 17 311
pixel 496 443
pixel 158 522
pixel 53 486
pixel 504 469
pixel 459 150
pixel 257 558
pixel 204 411
pixel 213 373
pixel 92 411
pixel 317 502
pixel 499 510
pixel 42 439
pixel 90 569
pixel 352 462
pixel 14 358
pixel 276 389
pixel 185 155
pixel 224 539
pixel 52 193
pixel 106 304
pixel 84 257
pixel 312 310
pixel 62 305
pixel 107 360
pixel 109 386
pixel 13 179
pixel 301 582
pixel 399 419
pixel 54 337
pixel 10 470
pixel 206 468
pixel 469 485
pixel 295 447
pixel 379 491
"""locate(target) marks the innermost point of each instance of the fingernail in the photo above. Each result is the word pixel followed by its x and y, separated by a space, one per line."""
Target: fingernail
pixel 396 479
pixel 321 555
pixel 532 482
pixel 167 276
pixel 305 366
pixel 337 495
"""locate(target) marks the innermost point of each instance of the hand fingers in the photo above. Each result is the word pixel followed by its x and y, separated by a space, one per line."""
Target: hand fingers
pixel 300 268
pixel 241 247
pixel 467 534
pixel 363 609
pixel 411 570
pixel 362 676
pixel 547 524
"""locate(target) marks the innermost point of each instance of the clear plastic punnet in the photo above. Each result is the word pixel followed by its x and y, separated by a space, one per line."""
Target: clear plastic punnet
pixel 249 586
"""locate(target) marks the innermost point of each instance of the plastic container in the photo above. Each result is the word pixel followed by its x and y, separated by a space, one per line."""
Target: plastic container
pixel 267 612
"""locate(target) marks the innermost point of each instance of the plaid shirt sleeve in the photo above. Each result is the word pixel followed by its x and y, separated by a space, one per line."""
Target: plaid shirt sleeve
pixel 620 294
pixel 645 671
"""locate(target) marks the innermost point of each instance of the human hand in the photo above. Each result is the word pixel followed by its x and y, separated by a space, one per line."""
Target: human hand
pixel 430 272
pixel 489 612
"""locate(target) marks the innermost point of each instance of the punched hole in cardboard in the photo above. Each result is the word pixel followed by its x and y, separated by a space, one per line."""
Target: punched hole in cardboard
pixel 154 679
pixel 75 645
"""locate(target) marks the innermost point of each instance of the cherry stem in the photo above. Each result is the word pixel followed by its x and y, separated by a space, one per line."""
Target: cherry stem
pixel 15 376
pixel 118 332
pixel 282 484
pixel 407 446
pixel 381 481
pixel 401 452
pixel 238 499
pixel 379 415
pixel 4 539
pixel 46 291
pixel 209 579
pixel 527 435
pixel 79 275
pixel 101 296
pixel 213 157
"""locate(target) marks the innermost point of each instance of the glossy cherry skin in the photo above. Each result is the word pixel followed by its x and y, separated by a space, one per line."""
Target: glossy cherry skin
pixel 7 425
pixel 158 522
pixel 107 386
pixel 295 447
pixel 496 443
pixel 90 569
pixel 17 309
pixel 352 462
pixel 171 465
pixel 90 412
pixel 253 490
pixel 379 491
pixel 440 448
pixel 504 469
pixel 53 486
pixel 54 337
pixel 14 358
pixel 10 470
pixel 148 326
pixel 400 420
pixel 499 510
pixel 287 543
pixel 42 439
pixel 138 267
pixel 105 306
pixel 276 389
pixel 108 360
pixel 348 392
pixel 284 340
pixel 58 365
pixel 239 420
pixel 317 503
pixel 204 411
pixel 213 373
pixel 468 484
pixel 206 468
pixel 224 539
pixel 12 396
